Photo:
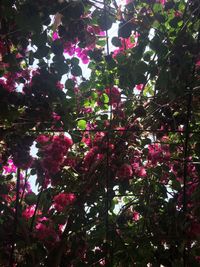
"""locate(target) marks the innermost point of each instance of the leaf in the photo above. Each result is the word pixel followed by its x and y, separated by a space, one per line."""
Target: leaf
pixel 31 198
pixel 82 124
pixel 101 43
pixel 105 22
pixel 57 47
pixel 141 67
pixel 76 70
pixel 76 136
pixel 104 98
pixel 116 42
pixel 74 61
pixel 42 51
pixel 125 29
pixel 69 84
pixel 147 55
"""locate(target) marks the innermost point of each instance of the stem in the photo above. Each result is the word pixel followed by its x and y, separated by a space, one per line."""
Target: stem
pixel 15 219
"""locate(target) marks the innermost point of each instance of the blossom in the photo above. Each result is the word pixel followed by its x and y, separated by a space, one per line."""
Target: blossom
pixel 136 216
pixel 126 43
pixel 45 231
pixel 59 85
pixel 142 172
pixel 114 95
pixel 42 139
pixel 177 14
pixel 62 200
pixel 198 64
pixel 125 171
pixel 139 170
pixel 55 116
pixel 90 156
pixel 86 110
pixel 10 167
pixel 162 2
pixel 82 54
pixel 98 138
pixel 128 2
pixel 55 36
pixel 29 212
pixel 54 150
pixel 139 87
pixel 86 138
pixel 8 81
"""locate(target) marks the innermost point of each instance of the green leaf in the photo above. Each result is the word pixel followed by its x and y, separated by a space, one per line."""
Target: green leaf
pixel 116 42
pixel 121 58
pixel 76 70
pixel 42 51
pixel 147 55
pixel 82 124
pixel 31 198
pixel 105 22
pixel 125 29
pixel 104 98
pixel 74 61
pixel 76 136
pixel 141 67
pixel 101 42
pixel 69 84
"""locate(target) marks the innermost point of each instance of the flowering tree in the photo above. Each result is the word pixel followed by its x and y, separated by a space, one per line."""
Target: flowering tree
pixel 117 163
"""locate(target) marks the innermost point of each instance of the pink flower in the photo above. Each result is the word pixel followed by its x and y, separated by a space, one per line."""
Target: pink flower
pixel 139 170
pixel 42 139
pixel 54 151
pixel 198 64
pixel 136 216
pixel 62 200
pixel 142 172
pixel 163 2
pixel 82 54
pixel 139 87
pixel 128 2
pixel 177 14
pixel 155 153
pixel 90 157
pixel 98 138
pixel 59 85
pixel 46 232
pixel 114 95
pixel 55 36
pixel 29 212
pixel 69 48
pixel 55 116
pixel 125 171
pixel 10 167
pixel 86 138
pixel 126 43
pixel 86 110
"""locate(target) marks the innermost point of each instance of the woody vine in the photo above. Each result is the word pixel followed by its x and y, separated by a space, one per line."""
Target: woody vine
pixel 117 153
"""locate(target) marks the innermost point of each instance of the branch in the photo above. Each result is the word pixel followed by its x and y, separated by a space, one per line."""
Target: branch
pixel 15 219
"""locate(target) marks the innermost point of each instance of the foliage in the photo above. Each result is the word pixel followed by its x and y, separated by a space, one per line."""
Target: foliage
pixel 117 164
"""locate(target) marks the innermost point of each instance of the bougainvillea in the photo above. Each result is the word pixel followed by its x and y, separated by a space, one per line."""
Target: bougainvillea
pixel 99 133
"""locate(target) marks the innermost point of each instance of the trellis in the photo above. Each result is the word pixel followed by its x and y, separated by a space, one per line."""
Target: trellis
pixel 109 253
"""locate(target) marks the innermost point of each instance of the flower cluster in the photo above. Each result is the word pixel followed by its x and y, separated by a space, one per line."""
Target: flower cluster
pixel 62 200
pixel 54 151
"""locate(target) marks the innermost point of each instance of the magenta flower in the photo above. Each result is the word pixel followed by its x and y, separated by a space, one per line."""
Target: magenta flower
pixel 136 216
pixel 62 200
pixel 55 36
pixel 125 171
